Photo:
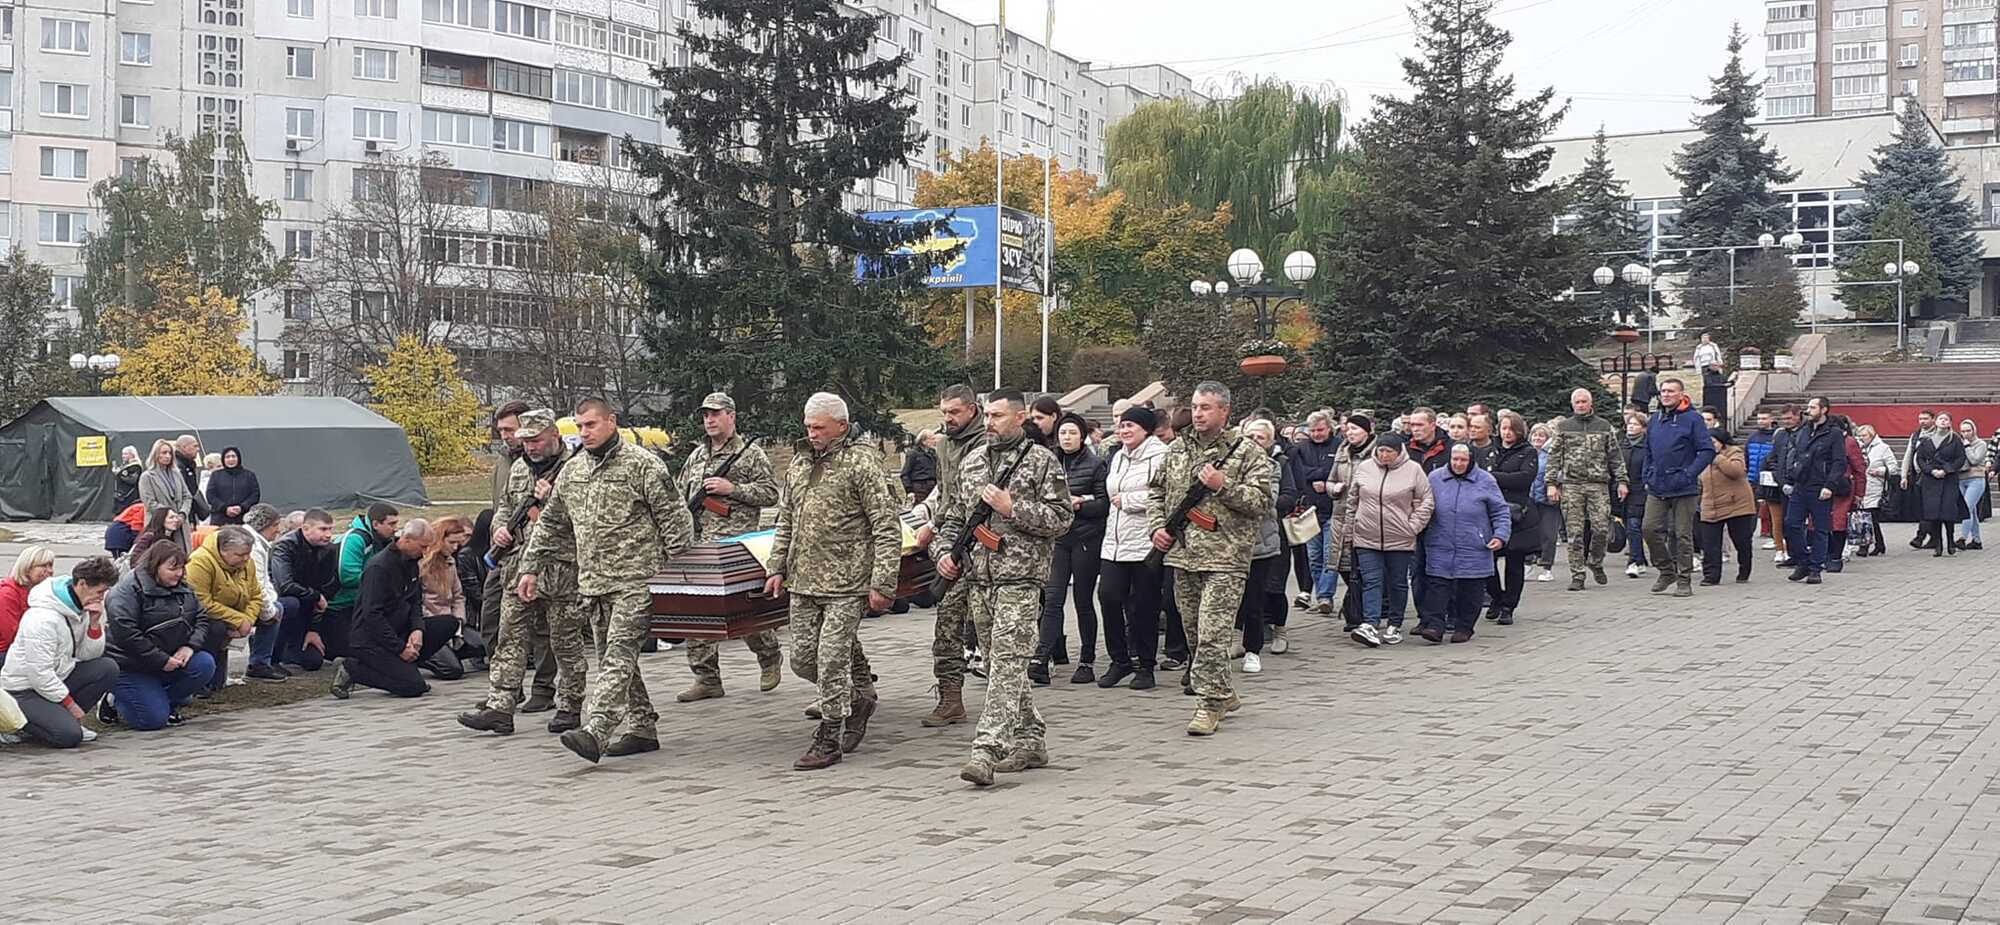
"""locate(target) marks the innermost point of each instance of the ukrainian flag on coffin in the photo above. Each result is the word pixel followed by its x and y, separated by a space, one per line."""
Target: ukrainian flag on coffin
pixel 759 542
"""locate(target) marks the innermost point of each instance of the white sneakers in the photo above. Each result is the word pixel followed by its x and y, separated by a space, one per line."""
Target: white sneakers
pixel 9 738
pixel 1770 543
pixel 1279 644
pixel 1391 635
pixel 1635 570
pixel 1251 663
pixel 1546 575
pixel 1366 635
pixel 89 734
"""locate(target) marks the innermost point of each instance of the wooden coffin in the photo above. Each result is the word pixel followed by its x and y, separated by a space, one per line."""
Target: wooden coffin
pixel 713 591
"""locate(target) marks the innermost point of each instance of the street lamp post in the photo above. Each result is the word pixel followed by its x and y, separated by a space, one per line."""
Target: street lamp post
pixel 96 367
pixel 1267 298
pixel 1900 271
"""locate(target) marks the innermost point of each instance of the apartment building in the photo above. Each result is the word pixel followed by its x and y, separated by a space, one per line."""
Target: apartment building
pixel 1838 57
pixel 510 93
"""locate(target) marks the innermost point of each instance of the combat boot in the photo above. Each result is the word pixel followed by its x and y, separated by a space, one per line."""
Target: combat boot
pixel 812 711
pixel 564 721
pixel 583 744
pixel 950 707
pixel 1683 587
pixel 701 690
pixel 1025 758
pixel 1663 581
pixel 977 770
pixel 824 751
pixel 629 744
pixel 1233 704
pixel 1206 721
pixel 488 720
pixel 539 703
pixel 857 722
pixel 769 674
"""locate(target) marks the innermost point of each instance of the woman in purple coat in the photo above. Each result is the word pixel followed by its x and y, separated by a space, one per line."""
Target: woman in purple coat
pixel 1470 522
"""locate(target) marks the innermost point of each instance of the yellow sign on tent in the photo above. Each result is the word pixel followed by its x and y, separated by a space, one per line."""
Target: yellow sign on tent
pixel 90 452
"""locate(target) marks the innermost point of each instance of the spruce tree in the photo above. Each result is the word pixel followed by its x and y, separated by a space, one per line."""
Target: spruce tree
pixel 1445 265
pixel 750 284
pixel 1912 168
pixel 1727 177
pixel 1874 299
pixel 1603 221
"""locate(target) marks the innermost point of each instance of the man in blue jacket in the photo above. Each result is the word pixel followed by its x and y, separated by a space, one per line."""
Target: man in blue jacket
pixel 1817 470
pixel 1678 448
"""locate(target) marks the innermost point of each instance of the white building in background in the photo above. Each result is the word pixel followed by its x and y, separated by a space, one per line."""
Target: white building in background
pixel 1840 57
pixel 515 92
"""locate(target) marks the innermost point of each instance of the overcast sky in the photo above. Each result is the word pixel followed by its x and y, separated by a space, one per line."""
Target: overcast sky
pixel 1632 65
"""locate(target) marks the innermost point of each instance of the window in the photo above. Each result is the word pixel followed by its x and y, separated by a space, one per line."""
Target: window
pixel 298 303
pixel 1860 19
pixel 373 185
pixel 71 100
pixel 519 137
pixel 301 123
pixel 1784 107
pixel 1789 12
pixel 635 42
pixel 1038 89
pixel 135 111
pixel 375 9
pixel 1976 69
pixel 298 184
pixel 916 42
pixel 965 116
pixel 6 23
pixel 582 31
pixel 300 8
pixel 1782 42
pixel 632 99
pixel 943 112
pixel 301 62
pixel 1857 51
pixel 299 243
pixel 1792 74
pixel 375 125
pixel 298 364
pixel 63 227
pixel 135 48
pixel 1978 33
pixel 1867 85
pixel 470 13
pixel 1913 19
pixel 520 19
pixel 65 163
pixel 965 73
pixel 129 167
pixel 943 68
pixel 452 128
pixel 64 289
pixel 374 64
pixel 71 36
pixel 1909 87
pixel 1908 55
pixel 583 89
pixel 522 79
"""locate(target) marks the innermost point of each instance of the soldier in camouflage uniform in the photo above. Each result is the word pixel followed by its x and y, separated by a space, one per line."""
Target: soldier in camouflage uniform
pixel 529 484
pixel 838 551
pixel 1211 564
pixel 960 438
pixel 1585 460
pixel 615 503
pixel 1004 584
pixel 745 491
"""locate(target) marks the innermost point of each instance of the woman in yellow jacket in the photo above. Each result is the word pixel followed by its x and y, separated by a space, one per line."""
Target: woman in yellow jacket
pixel 224 580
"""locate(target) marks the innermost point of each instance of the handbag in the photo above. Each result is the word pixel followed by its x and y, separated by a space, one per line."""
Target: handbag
pixel 1301 526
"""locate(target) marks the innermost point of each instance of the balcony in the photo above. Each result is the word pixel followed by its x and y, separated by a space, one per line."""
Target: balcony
pixel 1985 86
pixel 1962 126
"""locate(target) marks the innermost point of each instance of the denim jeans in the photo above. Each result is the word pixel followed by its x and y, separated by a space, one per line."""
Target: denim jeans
pixel 1972 488
pixel 1808 545
pixel 1385 583
pixel 145 698
pixel 1635 531
pixel 264 639
pixel 1325 579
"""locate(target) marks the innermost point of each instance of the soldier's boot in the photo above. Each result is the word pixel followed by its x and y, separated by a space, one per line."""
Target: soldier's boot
pixel 824 751
pixel 1576 583
pixel 812 711
pixel 629 744
pixel 950 707
pixel 1206 721
pixel 343 680
pixel 539 703
pixel 564 721
pixel 1024 758
pixel 1233 704
pixel 857 723
pixel 488 720
pixel 1664 581
pixel 1597 575
pixel 583 744
pixel 1684 587
pixel 700 690
pixel 977 770
pixel 770 673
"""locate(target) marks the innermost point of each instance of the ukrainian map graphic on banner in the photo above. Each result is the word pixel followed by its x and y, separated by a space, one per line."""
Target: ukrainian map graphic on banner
pixel 996 245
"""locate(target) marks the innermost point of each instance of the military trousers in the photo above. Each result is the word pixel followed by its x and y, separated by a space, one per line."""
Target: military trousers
pixel 1586 509
pixel 620 622
pixel 948 636
pixel 1208 602
pixel 826 650
pixel 493 596
pixel 563 631
pixel 705 658
pixel 1007 616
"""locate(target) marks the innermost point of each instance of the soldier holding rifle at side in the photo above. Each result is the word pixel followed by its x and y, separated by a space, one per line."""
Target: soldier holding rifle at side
pixel 728 483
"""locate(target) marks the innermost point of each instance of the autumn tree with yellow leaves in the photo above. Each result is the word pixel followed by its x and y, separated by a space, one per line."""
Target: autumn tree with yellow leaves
pixel 189 343
pixel 419 387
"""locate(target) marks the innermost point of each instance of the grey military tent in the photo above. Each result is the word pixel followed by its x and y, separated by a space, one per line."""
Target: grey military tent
pixel 306 452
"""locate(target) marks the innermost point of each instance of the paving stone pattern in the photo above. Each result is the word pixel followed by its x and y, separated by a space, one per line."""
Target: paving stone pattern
pixel 1765 753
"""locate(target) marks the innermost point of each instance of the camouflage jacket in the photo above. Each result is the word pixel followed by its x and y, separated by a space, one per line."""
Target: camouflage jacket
pixel 558 575
pixel 839 534
pixel 1248 494
pixel 756 488
pixel 621 515
pixel 952 451
pixel 1028 536
pixel 1585 451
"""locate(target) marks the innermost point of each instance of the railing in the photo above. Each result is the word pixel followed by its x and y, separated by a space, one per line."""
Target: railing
pixel 1933 343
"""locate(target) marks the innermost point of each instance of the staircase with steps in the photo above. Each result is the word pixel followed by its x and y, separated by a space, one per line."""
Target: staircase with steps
pixel 1977 352
pixel 1889 395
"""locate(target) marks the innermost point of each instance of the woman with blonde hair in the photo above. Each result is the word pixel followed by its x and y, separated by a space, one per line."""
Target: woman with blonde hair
pixel 161 487
pixel 32 567
pixel 444 593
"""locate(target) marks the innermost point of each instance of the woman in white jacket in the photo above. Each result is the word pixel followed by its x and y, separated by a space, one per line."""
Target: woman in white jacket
pixel 1128 590
pixel 57 669
pixel 1880 462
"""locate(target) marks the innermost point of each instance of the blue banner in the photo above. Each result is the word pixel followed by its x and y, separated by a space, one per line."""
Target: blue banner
pixel 974 230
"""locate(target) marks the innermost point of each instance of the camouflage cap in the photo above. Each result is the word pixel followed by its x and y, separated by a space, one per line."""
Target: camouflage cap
pixel 534 422
pixel 718 401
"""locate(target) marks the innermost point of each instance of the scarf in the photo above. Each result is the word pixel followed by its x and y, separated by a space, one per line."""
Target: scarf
pixel 604 450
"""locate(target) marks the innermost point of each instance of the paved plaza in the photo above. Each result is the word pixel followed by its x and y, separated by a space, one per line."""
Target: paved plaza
pixel 1763 753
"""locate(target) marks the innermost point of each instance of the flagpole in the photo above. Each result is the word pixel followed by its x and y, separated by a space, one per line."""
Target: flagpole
pixel 1048 181
pixel 999 182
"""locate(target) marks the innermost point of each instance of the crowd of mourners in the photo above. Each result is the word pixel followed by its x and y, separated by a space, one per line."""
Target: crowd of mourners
pixel 205 585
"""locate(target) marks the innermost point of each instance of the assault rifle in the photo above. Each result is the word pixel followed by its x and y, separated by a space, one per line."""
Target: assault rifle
pixel 701 500
pixel 976 530
pixel 1185 513
pixel 516 524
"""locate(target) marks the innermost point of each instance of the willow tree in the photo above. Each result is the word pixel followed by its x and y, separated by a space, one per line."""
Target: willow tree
pixel 1272 152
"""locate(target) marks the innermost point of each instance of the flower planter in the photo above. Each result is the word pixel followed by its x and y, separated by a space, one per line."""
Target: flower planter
pixel 1782 361
pixel 1263 365
pixel 1750 359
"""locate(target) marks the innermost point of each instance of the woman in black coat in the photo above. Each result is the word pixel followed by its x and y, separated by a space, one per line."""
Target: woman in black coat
pixel 232 490
pixel 1939 506
pixel 1074 568
pixel 159 637
pixel 1515 465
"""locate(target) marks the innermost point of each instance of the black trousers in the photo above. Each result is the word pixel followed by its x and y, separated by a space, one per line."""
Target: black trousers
pixel 1302 568
pixel 1170 618
pixel 1254 613
pixel 1129 594
pixel 1452 604
pixel 1510 569
pixel 1073 574
pixel 336 626
pixel 1708 538
pixel 387 672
